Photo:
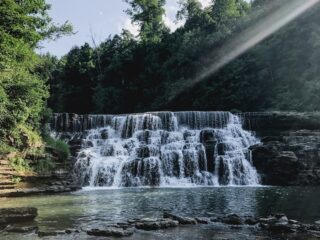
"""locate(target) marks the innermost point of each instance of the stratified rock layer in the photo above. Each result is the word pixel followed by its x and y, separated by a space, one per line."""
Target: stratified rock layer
pixel 289 152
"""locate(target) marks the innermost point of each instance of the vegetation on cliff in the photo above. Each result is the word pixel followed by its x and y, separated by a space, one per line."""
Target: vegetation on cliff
pixel 23 87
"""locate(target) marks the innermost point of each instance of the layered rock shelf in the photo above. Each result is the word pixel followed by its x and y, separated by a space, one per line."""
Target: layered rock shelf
pixel 289 152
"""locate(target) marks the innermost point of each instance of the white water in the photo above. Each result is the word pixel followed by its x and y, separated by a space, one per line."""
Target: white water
pixel 162 149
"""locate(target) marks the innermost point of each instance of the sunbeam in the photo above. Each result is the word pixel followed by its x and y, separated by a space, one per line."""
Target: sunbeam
pixel 279 16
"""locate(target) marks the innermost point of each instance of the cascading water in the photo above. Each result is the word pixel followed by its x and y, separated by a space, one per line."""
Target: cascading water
pixel 160 149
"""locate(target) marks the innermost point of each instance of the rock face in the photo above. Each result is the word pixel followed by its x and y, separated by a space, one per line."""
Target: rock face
pixel 289 153
pixel 14 215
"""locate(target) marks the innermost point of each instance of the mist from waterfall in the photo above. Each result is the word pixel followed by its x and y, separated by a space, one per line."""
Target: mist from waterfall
pixel 163 149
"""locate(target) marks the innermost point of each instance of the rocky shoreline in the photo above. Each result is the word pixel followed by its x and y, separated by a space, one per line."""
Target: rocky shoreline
pixel 21 221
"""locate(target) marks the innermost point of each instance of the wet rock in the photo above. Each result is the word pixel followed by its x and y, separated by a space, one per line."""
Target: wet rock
pixel 267 220
pixel 222 148
pixel 104 134
pixel 281 228
pixel 289 152
pixel 208 136
pixel 111 232
pixel 203 220
pixel 154 224
pixel 50 233
pixel 13 215
pixel 180 219
pixel 232 219
pixel 291 221
pixel 251 221
pixel 70 231
pixel 21 229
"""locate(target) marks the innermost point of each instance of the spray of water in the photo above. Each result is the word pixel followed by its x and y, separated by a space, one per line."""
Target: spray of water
pixel 280 15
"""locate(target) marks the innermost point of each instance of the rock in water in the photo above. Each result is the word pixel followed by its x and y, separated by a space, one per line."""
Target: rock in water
pixel 180 219
pixel 202 220
pixel 111 232
pixel 25 229
pixel 50 233
pixel 232 219
pixel 154 224
pixel 13 215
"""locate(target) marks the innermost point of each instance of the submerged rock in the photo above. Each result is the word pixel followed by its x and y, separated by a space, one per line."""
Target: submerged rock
pixel 232 219
pixel 111 232
pixel 180 219
pixel 21 229
pixel 13 215
pixel 154 224
pixel 50 233
pixel 203 220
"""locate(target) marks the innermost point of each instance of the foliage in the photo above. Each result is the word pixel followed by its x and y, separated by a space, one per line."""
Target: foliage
pixel 16 179
pixel 153 71
pixel 20 165
pixel 44 165
pixel 148 14
pixel 5 149
pixel 60 147
pixel 23 91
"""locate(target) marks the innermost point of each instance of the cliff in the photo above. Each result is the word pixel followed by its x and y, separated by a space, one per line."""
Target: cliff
pixel 289 152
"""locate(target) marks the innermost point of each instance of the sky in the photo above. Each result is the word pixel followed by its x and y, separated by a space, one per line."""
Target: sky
pixel 97 19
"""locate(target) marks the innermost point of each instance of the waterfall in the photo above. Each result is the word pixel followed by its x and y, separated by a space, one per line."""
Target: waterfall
pixel 159 149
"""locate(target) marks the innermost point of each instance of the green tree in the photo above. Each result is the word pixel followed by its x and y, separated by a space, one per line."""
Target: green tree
pixel 148 14
pixel 23 24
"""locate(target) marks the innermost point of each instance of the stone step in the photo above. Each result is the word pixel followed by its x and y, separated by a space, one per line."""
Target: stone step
pixel 3 187
pixel 6 168
pixel 6 182
pixel 4 162
pixel 5 177
pixel 5 173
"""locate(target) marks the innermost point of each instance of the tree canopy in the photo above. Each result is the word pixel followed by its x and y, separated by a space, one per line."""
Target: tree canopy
pixel 23 93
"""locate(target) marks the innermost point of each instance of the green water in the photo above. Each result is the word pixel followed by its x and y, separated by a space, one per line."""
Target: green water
pixel 96 208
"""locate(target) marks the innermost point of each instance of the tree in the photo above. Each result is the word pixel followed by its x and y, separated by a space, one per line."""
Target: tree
pixel 148 14
pixel 23 24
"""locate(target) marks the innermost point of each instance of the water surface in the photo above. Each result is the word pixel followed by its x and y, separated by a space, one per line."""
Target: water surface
pixel 96 208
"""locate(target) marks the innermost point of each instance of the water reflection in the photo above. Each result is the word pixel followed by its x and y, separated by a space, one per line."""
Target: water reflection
pixel 94 208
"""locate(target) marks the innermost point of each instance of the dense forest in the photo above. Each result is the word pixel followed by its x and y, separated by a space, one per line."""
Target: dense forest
pixel 152 71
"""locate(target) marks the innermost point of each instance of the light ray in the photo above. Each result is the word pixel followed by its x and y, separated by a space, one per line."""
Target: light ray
pixel 248 38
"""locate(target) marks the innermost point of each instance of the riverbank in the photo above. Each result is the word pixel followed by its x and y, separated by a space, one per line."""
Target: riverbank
pixel 53 183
